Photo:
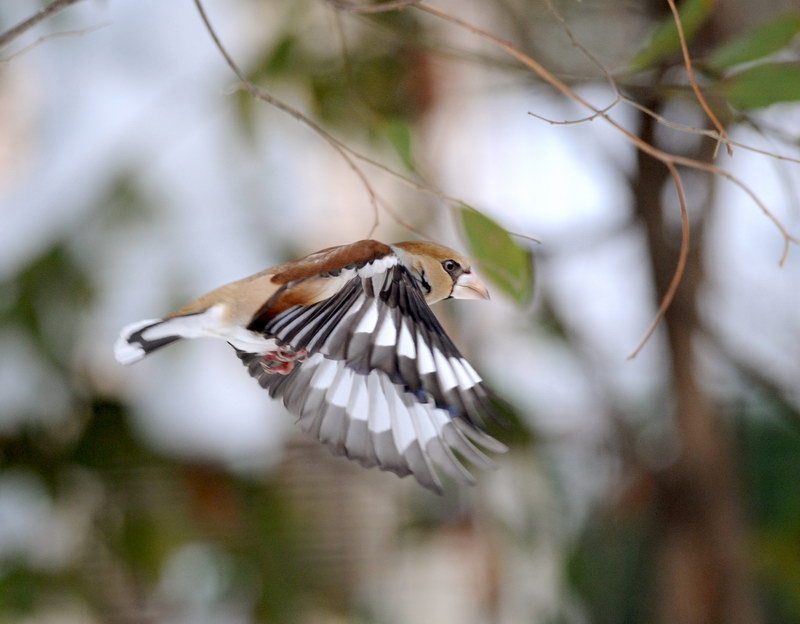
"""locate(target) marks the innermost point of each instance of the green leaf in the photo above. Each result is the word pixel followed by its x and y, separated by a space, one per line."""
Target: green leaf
pixel 762 85
pixel 498 257
pixel 665 41
pixel 762 41
pixel 399 134
pixel 279 59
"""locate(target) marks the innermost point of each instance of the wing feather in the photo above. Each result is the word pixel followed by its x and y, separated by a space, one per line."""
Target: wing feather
pixel 383 383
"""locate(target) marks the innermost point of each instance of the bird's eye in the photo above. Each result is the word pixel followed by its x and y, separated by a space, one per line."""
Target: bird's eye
pixel 450 265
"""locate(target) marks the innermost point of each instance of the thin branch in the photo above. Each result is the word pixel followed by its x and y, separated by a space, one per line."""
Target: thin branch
pixel 687 61
pixel 257 93
pixel 680 268
pixel 383 7
pixel 345 151
pixel 766 128
pixel 57 35
pixel 669 160
pixel 550 78
pixel 593 60
pixel 348 68
pixel 710 168
pixel 609 76
pixel 533 239
pixel 402 222
pixel 705 132
pixel 577 44
pixel 450 201
pixel 24 26
pixel 574 122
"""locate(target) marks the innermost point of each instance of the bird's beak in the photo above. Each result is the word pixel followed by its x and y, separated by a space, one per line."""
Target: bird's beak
pixel 469 286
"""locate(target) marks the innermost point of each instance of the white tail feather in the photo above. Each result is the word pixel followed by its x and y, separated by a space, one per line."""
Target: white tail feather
pixel 138 339
pixel 127 352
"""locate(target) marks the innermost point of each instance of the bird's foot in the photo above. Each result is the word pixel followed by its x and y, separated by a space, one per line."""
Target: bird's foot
pixel 282 361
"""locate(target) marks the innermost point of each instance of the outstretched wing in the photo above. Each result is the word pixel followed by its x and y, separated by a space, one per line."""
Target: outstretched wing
pixel 384 384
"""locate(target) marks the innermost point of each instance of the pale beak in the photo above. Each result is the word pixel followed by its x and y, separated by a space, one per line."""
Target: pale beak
pixel 469 286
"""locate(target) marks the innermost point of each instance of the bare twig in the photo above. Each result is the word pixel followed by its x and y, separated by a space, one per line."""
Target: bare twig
pixel 57 35
pixel 591 57
pixel 705 132
pixel 680 268
pixel 608 74
pixel 24 26
pixel 383 7
pixel 671 161
pixel 687 61
pixel 574 122
pixel 257 93
pixel 345 151
pixel 400 221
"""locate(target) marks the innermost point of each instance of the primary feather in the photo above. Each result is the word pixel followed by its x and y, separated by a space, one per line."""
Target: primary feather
pixel 346 339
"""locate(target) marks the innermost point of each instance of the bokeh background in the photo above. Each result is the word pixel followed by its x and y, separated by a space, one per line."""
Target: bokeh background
pixel 135 175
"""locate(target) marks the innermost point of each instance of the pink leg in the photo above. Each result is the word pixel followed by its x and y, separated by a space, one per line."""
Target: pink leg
pixel 282 361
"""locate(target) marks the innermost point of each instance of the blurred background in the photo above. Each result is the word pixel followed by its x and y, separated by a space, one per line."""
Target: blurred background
pixel 134 176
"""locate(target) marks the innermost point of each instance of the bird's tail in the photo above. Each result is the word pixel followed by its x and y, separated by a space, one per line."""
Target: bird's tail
pixel 142 338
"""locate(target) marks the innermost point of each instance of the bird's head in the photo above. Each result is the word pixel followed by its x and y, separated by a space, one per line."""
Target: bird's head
pixel 440 271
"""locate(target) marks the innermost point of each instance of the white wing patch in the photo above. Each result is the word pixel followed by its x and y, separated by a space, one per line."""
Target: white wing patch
pixel 425 363
pixel 383 383
pixel 324 373
pixel 381 265
pixel 369 320
pixel 465 382
pixel 421 418
pixel 376 422
pixel 405 346
pixel 340 390
pixel 386 335
pixel 446 376
pixel 379 419
pixel 402 428
pixel 475 377
pixel 358 406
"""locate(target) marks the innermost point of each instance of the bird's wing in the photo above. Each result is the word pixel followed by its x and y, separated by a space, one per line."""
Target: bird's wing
pixel 383 383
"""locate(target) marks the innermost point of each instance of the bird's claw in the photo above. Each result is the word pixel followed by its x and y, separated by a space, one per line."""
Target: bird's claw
pixel 282 361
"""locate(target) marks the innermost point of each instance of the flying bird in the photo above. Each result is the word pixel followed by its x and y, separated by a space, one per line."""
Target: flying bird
pixel 346 338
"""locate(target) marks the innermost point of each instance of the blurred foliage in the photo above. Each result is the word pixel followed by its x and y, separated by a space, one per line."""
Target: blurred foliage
pixel 664 41
pixel 254 540
pixel 762 41
pixel 762 85
pixel 45 299
pixel 507 264
pixel 376 82
pixel 614 566
pixel 728 67
pixel 770 439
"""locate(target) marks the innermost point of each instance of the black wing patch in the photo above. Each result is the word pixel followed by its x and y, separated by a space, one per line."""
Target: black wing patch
pixel 383 384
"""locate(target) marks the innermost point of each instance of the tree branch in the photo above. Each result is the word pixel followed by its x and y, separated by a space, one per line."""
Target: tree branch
pixel 24 26
pixel 687 61
pixel 669 160
pixel 257 93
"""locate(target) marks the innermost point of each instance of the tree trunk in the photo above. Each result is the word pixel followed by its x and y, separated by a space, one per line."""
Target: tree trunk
pixel 703 573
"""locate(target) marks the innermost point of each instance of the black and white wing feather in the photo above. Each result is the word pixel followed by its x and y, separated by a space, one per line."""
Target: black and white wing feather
pixel 383 384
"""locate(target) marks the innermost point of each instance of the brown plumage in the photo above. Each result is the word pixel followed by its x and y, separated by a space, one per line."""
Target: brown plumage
pixel 346 338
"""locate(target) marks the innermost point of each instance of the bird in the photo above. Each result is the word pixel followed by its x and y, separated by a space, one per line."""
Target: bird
pixel 346 338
